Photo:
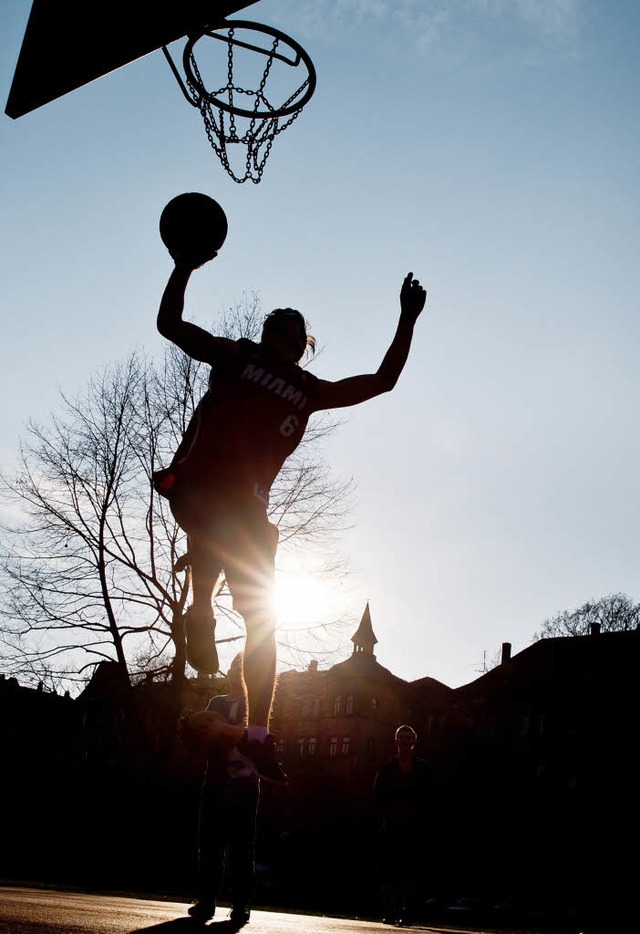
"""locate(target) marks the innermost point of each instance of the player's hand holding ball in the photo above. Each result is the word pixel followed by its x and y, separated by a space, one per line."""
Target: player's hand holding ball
pixel 193 227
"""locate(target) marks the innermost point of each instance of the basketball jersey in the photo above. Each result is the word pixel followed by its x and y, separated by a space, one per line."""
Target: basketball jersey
pixel 234 772
pixel 252 417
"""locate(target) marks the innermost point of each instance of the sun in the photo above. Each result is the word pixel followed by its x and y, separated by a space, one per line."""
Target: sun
pixel 303 599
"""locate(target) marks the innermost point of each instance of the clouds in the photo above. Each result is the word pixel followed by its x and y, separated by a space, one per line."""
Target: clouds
pixel 438 22
pixel 559 18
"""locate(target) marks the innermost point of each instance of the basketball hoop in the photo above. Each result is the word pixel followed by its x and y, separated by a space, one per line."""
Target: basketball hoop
pixel 254 101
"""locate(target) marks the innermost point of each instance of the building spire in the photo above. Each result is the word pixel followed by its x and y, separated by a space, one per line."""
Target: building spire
pixel 364 637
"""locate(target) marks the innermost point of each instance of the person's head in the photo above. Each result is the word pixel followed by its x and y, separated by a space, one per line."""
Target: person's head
pixel 285 333
pixel 405 738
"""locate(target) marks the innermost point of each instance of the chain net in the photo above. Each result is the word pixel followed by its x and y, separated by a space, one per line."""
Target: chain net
pixel 227 129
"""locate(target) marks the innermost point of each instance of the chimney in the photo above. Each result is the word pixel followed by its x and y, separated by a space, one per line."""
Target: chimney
pixel 313 665
pixel 595 629
pixel 506 653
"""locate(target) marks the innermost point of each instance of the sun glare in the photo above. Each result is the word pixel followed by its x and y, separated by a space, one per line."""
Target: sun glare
pixel 302 599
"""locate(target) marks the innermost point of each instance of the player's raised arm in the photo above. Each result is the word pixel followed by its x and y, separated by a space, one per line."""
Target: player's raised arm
pixel 194 340
pixel 356 389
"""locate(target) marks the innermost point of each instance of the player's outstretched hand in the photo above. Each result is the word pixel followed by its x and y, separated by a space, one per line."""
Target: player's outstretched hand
pixel 412 298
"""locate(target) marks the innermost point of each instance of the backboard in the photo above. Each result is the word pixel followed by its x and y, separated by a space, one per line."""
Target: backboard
pixel 69 43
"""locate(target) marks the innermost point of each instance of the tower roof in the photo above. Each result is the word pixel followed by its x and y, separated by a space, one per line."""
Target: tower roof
pixel 364 636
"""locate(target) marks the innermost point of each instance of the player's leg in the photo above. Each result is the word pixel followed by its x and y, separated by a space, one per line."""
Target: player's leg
pixel 213 834
pixel 249 563
pixel 390 878
pixel 188 508
pixel 260 666
pixel 241 862
pixel 200 623
pixel 250 573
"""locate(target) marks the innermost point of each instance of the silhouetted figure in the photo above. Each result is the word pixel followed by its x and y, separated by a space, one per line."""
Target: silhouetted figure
pixel 251 419
pixel 402 792
pixel 228 813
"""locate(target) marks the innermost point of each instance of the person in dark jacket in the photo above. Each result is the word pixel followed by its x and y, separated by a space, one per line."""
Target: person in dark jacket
pixel 228 809
pixel 402 791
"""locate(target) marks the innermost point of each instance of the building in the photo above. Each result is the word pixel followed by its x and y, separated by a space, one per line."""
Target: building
pixel 340 723
pixel 534 764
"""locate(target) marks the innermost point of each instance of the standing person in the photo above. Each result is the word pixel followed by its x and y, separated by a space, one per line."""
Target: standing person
pixel 228 805
pixel 402 789
pixel 252 417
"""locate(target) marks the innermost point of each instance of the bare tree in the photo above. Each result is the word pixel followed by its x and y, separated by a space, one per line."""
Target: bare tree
pixel 614 612
pixel 88 563
pixel 489 662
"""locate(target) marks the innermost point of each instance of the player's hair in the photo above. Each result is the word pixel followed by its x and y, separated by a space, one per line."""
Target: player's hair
pixel 307 341
pixel 405 728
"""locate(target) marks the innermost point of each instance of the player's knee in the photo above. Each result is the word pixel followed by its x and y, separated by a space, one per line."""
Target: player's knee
pixel 256 607
pixel 205 569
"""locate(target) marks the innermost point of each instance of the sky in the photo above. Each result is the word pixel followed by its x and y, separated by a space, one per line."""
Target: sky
pixel 488 146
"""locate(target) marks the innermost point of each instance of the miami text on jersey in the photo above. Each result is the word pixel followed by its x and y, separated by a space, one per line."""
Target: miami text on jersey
pixel 257 374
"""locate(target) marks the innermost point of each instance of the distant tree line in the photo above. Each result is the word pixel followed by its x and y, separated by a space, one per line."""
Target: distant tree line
pixel 615 612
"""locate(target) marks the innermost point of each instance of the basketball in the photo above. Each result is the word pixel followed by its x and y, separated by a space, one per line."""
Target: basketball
pixel 193 227
pixel 204 728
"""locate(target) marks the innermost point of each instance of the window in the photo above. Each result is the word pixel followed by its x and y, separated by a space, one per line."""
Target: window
pixel 337 706
pixel 310 707
pixel 312 745
pixel 350 704
pixel 371 747
pixel 280 747
pixel 302 747
pixel 333 746
pixel 374 703
pixel 346 745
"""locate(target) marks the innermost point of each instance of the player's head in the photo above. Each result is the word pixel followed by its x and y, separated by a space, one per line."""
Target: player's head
pixel 405 736
pixel 285 331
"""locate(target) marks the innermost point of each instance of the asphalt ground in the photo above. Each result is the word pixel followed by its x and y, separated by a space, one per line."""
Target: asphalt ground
pixel 41 910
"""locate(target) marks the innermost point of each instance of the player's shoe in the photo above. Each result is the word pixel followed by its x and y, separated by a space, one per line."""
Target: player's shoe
pixel 203 910
pixel 201 647
pixel 264 757
pixel 240 915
